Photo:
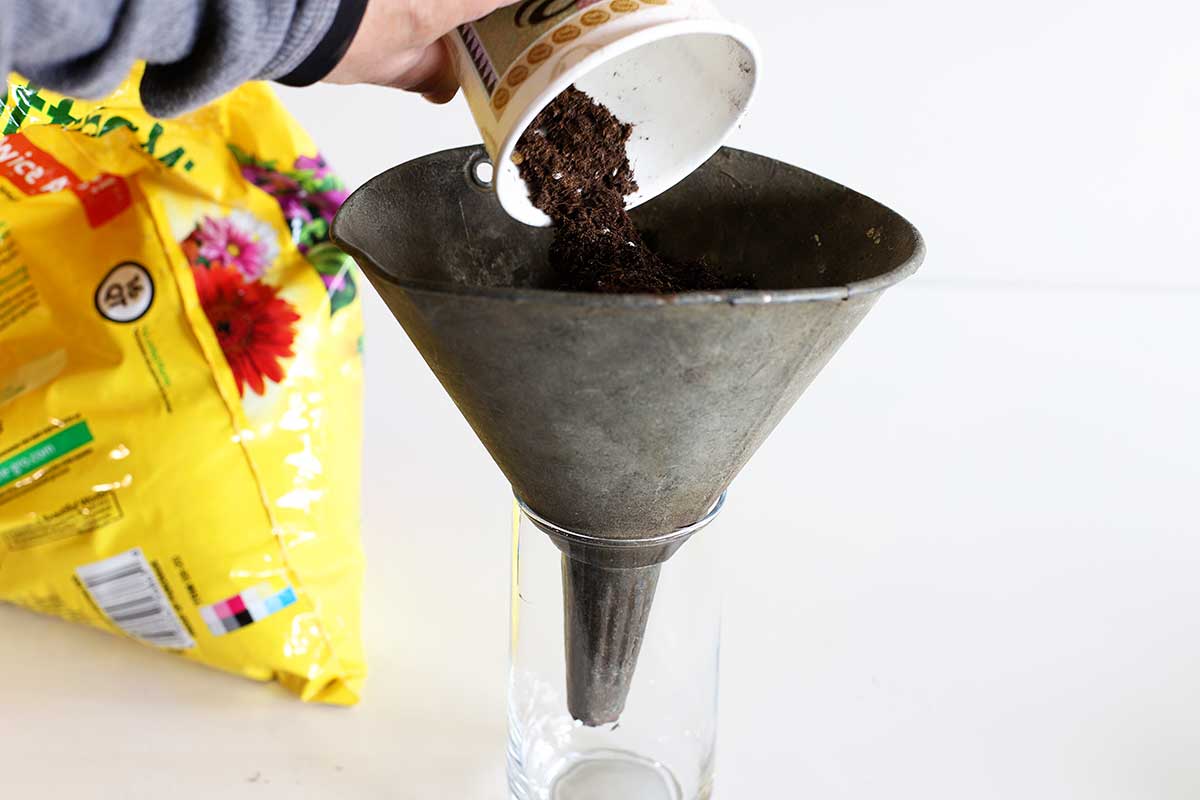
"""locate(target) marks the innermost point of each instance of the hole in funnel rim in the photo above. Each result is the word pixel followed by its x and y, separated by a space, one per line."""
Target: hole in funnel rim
pixel 480 172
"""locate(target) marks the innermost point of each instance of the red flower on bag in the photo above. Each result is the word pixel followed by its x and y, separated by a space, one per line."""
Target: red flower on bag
pixel 253 324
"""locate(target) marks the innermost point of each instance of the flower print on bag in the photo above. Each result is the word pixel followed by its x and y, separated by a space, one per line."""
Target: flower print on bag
pixel 240 241
pixel 255 327
pixel 309 194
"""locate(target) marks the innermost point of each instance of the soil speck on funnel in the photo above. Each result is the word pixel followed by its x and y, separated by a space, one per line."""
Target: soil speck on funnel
pixel 573 159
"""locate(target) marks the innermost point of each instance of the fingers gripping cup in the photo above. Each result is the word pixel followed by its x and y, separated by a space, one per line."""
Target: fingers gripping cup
pixel 674 68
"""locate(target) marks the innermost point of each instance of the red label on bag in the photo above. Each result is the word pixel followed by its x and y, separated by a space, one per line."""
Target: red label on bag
pixel 33 171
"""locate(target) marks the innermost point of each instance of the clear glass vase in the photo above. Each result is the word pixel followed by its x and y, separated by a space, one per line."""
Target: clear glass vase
pixel 662 746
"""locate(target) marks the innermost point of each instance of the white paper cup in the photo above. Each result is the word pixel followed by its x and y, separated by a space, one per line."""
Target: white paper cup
pixel 674 68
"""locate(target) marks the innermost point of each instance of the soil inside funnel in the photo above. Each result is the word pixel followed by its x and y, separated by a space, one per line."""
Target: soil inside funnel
pixel 573 159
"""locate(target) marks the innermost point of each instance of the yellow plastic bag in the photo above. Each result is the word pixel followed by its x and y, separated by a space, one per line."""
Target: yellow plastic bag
pixel 180 384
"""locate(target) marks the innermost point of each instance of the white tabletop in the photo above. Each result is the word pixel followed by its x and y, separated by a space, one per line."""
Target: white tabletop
pixel 964 567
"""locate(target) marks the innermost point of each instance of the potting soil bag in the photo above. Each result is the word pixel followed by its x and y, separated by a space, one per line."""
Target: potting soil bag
pixel 180 384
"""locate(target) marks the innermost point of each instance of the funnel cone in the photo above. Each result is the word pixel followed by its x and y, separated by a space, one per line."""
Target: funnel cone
pixel 625 417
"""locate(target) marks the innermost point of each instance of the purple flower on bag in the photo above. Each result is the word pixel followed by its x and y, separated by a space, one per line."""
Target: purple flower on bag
pixel 316 165
pixel 334 283
pixel 328 202
pixel 309 195
pixel 294 209
pixel 273 183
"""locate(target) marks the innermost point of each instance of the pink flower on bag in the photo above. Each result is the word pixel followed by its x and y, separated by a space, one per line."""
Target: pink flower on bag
pixel 221 241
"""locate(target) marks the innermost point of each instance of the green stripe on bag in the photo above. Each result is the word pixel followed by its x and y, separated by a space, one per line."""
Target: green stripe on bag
pixel 45 451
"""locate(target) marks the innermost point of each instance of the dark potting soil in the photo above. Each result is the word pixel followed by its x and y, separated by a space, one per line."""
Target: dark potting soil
pixel 573 159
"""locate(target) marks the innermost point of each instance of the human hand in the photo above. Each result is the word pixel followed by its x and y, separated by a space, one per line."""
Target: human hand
pixel 399 44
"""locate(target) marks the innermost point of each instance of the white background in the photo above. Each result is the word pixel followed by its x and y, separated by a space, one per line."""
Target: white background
pixel 966 566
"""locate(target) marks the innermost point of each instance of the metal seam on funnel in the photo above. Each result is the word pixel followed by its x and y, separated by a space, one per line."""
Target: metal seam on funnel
pixel 620 544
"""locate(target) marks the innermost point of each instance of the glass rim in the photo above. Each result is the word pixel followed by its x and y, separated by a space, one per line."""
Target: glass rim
pixel 598 541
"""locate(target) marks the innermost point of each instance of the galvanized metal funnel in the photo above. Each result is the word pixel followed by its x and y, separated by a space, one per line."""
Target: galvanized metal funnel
pixel 623 418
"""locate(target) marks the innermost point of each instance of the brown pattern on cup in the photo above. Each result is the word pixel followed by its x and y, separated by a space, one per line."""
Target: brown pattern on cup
pixel 567 33
pixel 539 53
pixel 517 75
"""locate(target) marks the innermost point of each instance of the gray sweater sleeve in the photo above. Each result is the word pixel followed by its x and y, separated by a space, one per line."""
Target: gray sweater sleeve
pixel 196 50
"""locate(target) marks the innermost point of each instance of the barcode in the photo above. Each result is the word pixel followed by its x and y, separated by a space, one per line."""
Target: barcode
pixel 126 589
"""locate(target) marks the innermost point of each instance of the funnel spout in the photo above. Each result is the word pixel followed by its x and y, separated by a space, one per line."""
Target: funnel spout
pixel 605 613
pixel 608 591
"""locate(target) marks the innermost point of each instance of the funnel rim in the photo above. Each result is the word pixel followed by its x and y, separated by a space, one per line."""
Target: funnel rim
pixel 733 297
pixel 624 544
